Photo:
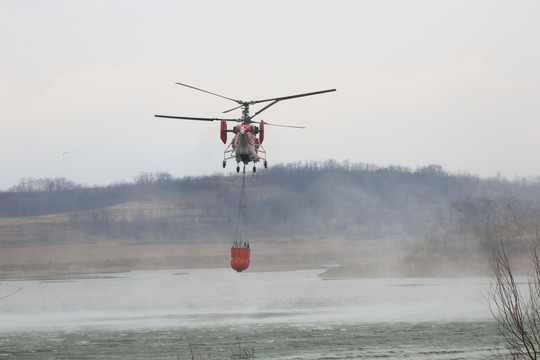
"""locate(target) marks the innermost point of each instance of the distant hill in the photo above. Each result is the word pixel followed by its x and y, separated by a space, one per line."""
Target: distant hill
pixel 417 209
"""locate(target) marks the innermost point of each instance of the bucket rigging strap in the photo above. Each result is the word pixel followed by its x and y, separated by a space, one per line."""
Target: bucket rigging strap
pixel 241 236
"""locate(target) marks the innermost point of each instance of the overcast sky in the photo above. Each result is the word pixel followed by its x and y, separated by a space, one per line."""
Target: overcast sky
pixel 453 83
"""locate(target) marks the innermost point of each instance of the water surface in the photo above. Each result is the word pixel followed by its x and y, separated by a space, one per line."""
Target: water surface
pixel 277 315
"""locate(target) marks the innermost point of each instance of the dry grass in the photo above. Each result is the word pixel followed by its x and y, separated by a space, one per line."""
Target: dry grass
pixel 74 260
pixel 356 258
pixel 47 247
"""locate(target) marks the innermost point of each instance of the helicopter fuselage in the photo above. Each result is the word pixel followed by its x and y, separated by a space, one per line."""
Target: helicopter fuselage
pixel 245 143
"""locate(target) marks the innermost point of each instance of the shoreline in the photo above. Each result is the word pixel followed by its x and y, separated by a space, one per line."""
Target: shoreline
pixel 341 272
pixel 363 259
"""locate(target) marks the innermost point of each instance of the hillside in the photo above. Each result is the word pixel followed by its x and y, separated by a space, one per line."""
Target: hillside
pixel 376 221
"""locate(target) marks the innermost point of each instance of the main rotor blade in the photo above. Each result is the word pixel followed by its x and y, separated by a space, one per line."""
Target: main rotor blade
pixel 289 126
pixel 294 96
pixel 211 93
pixel 234 108
pixel 193 118
pixel 276 100
pixel 264 108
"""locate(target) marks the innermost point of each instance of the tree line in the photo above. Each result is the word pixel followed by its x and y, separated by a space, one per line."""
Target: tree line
pixel 298 199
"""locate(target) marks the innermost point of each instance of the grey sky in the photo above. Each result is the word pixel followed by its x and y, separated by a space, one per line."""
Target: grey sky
pixel 454 83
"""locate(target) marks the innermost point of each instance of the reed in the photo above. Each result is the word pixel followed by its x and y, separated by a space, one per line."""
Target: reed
pixel 239 353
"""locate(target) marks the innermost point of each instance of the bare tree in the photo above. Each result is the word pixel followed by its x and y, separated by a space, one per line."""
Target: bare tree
pixel 517 310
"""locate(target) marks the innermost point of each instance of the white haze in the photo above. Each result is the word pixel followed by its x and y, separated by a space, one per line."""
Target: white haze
pixel 419 82
pixel 221 297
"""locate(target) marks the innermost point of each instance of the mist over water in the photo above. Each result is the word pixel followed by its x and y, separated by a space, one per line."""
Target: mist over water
pixel 206 297
pixel 218 307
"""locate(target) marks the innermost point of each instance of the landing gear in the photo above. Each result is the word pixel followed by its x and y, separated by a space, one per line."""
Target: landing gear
pixel 254 169
pixel 265 164
pixel 224 163
pixel 238 169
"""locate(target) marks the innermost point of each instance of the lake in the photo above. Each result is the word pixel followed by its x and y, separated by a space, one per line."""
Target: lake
pixel 216 313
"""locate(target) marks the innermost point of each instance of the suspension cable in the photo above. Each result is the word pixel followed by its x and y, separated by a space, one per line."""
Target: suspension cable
pixel 241 236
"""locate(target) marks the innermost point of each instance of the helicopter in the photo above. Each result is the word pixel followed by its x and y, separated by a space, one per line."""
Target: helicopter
pixel 245 146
